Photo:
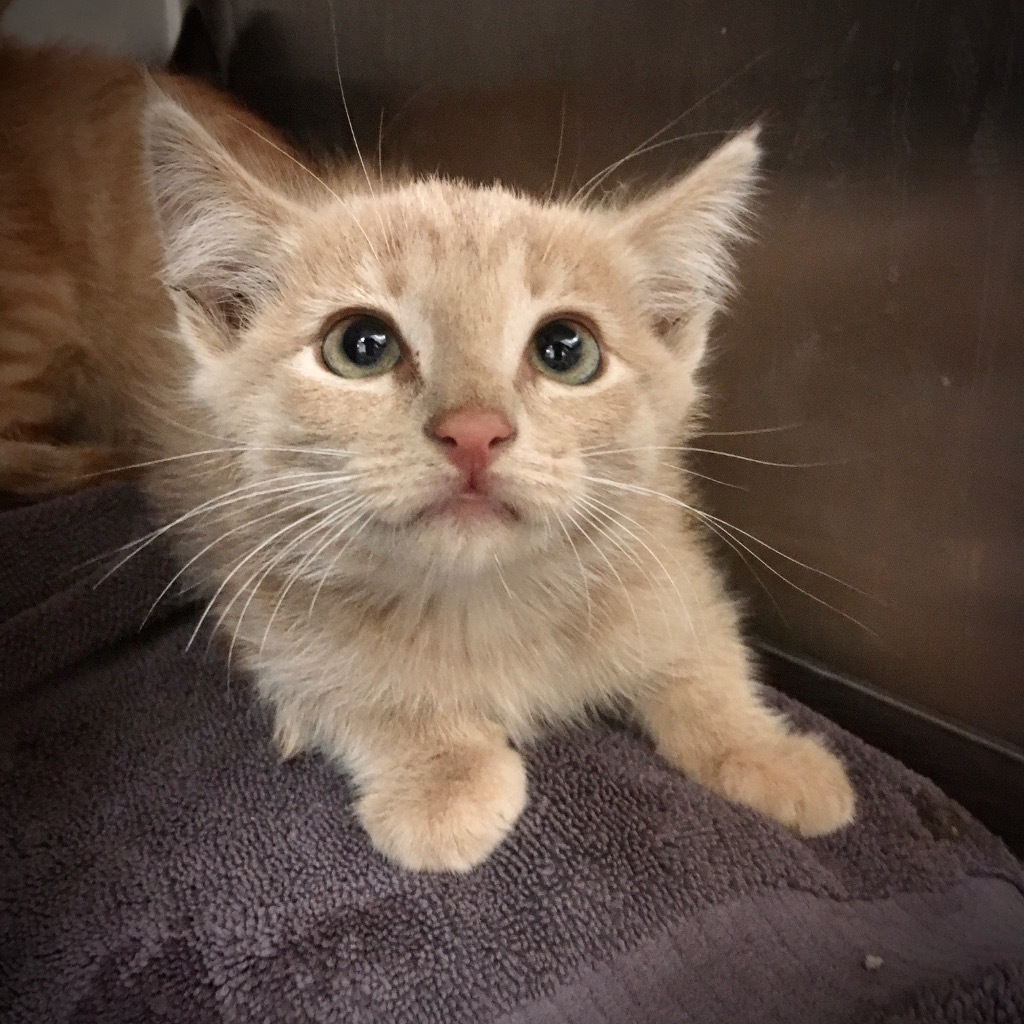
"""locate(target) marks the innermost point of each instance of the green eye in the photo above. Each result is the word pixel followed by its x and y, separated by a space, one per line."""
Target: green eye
pixel 361 346
pixel 566 351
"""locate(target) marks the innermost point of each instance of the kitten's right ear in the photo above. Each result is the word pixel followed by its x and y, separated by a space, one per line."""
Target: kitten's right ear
pixel 220 227
pixel 682 236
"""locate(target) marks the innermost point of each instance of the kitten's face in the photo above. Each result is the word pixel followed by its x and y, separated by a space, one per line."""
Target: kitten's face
pixel 461 283
pixel 472 368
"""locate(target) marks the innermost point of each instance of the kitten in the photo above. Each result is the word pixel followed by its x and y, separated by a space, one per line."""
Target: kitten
pixel 414 439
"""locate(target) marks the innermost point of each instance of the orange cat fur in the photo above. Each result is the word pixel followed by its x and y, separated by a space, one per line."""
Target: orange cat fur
pixel 415 440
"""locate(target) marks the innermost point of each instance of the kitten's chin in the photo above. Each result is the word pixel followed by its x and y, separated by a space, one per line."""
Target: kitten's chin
pixel 468 531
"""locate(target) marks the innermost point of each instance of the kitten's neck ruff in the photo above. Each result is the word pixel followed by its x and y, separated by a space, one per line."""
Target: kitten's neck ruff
pixel 551 577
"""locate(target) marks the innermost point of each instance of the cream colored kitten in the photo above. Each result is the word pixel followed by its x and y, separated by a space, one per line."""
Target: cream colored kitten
pixel 415 441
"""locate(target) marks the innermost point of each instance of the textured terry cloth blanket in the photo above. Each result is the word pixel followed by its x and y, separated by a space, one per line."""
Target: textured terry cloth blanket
pixel 160 865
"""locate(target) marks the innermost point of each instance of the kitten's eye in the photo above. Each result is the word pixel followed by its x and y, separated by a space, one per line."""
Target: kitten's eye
pixel 566 351
pixel 361 346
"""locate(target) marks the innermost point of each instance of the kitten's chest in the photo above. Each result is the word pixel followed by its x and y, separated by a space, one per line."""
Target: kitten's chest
pixel 515 660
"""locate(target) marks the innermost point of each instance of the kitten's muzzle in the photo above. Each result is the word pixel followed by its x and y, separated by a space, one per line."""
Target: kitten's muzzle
pixel 470 438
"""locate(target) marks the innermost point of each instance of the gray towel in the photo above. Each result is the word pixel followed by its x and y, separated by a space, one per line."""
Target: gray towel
pixel 995 996
pixel 157 863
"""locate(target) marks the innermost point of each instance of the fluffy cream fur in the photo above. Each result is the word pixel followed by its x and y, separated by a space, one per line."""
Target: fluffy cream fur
pixel 192 280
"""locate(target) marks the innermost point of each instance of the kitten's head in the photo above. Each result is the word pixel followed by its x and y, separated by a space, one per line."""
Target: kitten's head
pixel 463 375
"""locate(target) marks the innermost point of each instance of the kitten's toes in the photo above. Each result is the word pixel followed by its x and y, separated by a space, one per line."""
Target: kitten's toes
pixel 449 813
pixel 794 780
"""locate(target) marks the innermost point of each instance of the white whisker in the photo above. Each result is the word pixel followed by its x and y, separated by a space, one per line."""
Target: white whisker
pixel 593 452
pixel 749 66
pixel 209 452
pixel 768 462
pixel 625 590
pixel 344 100
pixel 756 430
pixel 380 147
pixel 253 552
pixel 708 518
pixel 350 508
pixel 583 572
pixel 724 537
pixel 222 537
pixel 501 576
pixel 614 515
pixel 639 489
pixel 328 516
pixel 363 520
pixel 315 177
pixel 595 182
pixel 310 479
pixel 558 153
pixel 388 242
pixel 703 476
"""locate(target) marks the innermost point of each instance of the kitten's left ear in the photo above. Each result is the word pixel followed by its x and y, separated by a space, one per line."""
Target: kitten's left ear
pixel 681 238
pixel 221 227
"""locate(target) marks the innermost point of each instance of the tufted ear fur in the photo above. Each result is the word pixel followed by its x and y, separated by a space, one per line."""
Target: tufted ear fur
pixel 220 226
pixel 681 237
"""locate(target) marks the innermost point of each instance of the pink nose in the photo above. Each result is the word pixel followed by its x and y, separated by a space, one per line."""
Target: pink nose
pixel 470 437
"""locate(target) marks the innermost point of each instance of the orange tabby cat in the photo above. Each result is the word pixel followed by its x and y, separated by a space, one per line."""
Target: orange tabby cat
pixel 415 440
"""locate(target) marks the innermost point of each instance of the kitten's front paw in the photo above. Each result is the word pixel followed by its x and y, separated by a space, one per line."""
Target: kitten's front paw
pixel 794 780
pixel 448 813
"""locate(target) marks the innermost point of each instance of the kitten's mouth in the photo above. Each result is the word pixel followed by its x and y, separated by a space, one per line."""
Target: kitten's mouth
pixel 469 508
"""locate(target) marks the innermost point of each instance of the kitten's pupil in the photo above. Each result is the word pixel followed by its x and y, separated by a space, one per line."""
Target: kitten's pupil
pixel 365 341
pixel 559 346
